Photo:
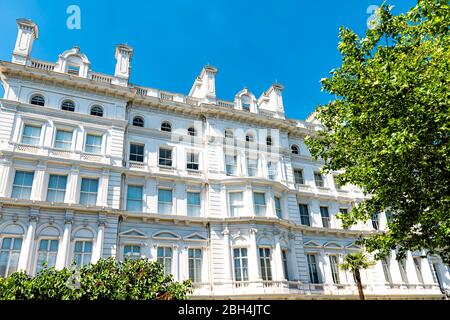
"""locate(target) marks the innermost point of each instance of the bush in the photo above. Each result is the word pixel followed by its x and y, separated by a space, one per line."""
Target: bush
pixel 107 280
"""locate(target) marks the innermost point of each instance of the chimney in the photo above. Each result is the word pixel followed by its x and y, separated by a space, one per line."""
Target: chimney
pixel 27 33
pixel 204 86
pixel 123 58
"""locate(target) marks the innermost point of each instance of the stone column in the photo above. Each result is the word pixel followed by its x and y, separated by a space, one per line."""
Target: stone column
pixel 183 263
pixel 175 263
pixel 270 203
pixel 249 209
pixel 28 244
pixel 73 185
pixel 411 269
pixel 292 258
pixel 64 247
pixel 253 265
pixel 277 261
pixel 98 249
pixel 227 263
pixel 102 199
pixel 6 178
pixel 38 188
pixel 324 267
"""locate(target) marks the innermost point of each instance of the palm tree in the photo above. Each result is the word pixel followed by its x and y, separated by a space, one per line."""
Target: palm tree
pixel 354 262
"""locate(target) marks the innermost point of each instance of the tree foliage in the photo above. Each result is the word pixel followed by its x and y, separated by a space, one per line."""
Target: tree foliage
pixel 388 128
pixel 105 280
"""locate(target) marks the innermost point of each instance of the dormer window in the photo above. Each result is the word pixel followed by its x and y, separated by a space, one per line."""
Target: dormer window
pixel 73 69
pixel 269 141
pixel 138 122
pixel 37 100
pixel 294 149
pixel 68 105
pixel 166 127
pixel 246 102
pixel 97 111
pixel 229 134
pixel 192 131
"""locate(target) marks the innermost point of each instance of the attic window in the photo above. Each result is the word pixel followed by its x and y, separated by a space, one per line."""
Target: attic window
pixel 246 103
pixel 73 69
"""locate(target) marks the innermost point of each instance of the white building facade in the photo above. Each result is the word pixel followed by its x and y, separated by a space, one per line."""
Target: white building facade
pixel 222 192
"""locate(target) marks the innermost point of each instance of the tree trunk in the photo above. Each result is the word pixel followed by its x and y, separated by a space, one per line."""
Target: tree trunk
pixel 359 284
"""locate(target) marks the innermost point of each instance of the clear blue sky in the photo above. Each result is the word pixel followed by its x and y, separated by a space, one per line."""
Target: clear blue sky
pixel 252 43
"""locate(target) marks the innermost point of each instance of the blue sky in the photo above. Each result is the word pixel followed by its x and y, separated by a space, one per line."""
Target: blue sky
pixel 252 43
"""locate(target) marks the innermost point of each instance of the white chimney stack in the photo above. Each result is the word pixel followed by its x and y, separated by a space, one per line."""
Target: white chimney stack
pixel 123 59
pixel 27 33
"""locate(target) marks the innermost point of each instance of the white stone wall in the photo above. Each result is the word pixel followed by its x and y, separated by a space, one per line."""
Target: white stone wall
pixel 111 227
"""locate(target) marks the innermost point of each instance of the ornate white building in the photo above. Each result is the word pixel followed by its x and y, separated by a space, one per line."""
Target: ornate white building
pixel 225 193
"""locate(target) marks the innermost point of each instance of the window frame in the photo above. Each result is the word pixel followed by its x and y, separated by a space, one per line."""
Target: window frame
pixel 135 122
pixel 334 267
pixel 304 216
pixel 164 203
pixel 134 255
pixel 259 207
pixel 135 155
pixel 88 194
pixel 97 113
pixel 56 190
pixel 10 251
pixel 197 263
pixel 243 267
pixel 326 217
pixel 265 263
pixel 68 105
pixel 22 186
pixel 48 253
pixel 239 207
pixel 83 253
pixel 234 165
pixel 36 95
pixel 165 126
pixel 192 161
pixel 320 183
pixel 93 146
pixel 197 207
pixel 313 268
pixel 139 201
pixel 161 159
pixel 165 258
pixel 299 181
pixel 36 139
pixel 63 142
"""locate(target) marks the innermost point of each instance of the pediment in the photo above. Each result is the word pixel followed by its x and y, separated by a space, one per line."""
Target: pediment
pixel 167 235
pixel 332 245
pixel 312 244
pixel 195 237
pixel 132 233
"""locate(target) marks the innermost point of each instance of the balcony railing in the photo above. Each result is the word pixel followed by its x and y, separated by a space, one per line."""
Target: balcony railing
pixel 102 78
pixel 47 66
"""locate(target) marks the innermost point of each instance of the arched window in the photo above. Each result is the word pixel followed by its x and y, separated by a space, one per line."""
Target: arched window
pixel 97 111
pixel 68 105
pixel 165 126
pixel 294 149
pixel 37 100
pixel 229 133
pixel 138 122
pixel 249 138
pixel 192 131
pixel 269 140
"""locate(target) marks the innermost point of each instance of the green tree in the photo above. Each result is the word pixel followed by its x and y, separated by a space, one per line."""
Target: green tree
pixel 388 128
pixel 106 280
pixel 354 262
